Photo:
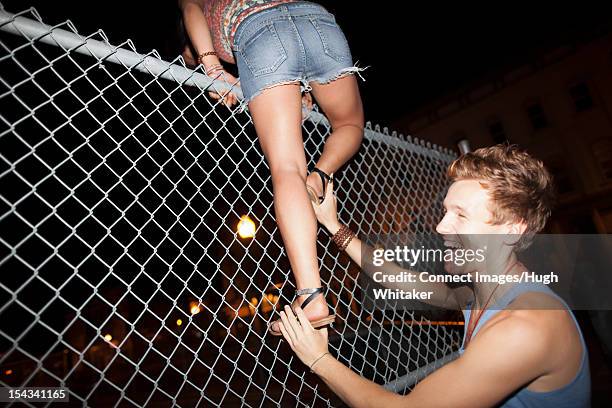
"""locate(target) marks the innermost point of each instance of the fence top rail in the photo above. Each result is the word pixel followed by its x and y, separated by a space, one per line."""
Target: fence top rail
pixel 71 41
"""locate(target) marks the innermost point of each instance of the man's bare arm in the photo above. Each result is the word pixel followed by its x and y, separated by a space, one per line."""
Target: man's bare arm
pixel 362 255
pixel 498 362
pixel 443 296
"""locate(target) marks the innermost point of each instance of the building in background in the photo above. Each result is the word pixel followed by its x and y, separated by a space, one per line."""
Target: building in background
pixel 559 108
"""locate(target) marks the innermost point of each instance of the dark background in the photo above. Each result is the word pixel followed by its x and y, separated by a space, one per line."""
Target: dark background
pixel 416 52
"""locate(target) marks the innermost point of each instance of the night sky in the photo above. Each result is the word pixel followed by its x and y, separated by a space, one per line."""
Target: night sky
pixel 415 52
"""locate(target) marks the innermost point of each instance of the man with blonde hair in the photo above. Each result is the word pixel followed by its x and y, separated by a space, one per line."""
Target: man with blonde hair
pixel 522 346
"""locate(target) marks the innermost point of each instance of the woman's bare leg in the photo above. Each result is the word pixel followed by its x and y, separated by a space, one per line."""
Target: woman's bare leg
pixel 341 103
pixel 277 115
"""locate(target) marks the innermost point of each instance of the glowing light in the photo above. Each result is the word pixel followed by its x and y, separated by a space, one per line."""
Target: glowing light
pixel 246 227
pixel 194 308
pixel 179 322
pixel 8 372
pixel 245 311
pixel 108 337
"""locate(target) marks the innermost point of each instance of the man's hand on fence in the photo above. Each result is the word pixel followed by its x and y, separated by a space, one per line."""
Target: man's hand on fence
pixel 327 211
pixel 307 343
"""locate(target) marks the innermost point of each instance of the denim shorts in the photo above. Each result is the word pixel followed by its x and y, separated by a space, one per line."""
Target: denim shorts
pixel 289 43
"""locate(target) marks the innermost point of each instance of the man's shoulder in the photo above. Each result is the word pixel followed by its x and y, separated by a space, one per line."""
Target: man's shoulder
pixel 533 315
pixel 512 343
pixel 536 301
pixel 545 314
pixel 533 323
pixel 519 325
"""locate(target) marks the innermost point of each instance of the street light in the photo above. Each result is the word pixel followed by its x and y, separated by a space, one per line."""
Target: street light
pixel 246 227
pixel 194 308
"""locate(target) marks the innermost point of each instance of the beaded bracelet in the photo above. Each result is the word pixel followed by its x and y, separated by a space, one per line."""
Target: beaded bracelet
pixel 205 54
pixel 343 237
pixel 347 242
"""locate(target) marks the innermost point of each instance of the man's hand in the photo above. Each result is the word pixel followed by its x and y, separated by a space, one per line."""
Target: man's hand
pixel 307 343
pixel 327 211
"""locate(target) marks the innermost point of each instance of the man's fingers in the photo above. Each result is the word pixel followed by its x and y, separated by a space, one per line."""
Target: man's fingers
pixel 330 190
pixel 285 334
pixel 315 207
pixel 292 320
pixel 306 325
pixel 324 332
pixel 297 326
pixel 288 326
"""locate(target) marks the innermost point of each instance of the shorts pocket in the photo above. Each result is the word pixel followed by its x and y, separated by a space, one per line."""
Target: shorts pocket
pixel 332 37
pixel 263 51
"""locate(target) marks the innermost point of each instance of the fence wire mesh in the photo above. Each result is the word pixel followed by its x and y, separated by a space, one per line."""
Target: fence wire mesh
pixel 122 276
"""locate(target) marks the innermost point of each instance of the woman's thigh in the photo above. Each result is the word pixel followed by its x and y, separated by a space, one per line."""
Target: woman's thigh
pixel 277 115
pixel 340 101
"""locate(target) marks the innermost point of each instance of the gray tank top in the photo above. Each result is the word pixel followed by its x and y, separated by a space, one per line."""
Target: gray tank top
pixel 575 394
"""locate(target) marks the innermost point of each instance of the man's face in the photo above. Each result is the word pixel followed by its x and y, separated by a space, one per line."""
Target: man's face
pixel 466 210
pixel 466 223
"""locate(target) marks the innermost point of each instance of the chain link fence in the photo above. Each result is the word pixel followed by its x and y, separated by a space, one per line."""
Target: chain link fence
pixel 122 276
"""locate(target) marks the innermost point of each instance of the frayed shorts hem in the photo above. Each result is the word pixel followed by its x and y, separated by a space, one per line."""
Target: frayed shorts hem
pixel 304 83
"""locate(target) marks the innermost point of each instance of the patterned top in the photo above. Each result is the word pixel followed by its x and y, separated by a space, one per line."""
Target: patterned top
pixel 224 16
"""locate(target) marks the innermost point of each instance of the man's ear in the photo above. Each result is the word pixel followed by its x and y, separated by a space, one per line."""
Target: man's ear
pixel 517 228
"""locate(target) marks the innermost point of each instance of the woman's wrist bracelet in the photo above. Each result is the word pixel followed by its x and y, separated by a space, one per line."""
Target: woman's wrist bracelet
pixel 315 362
pixel 205 54
pixel 213 68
